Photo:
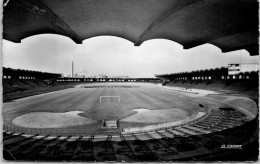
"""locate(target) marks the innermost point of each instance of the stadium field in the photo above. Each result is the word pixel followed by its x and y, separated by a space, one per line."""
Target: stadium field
pixel 84 108
pixel 54 109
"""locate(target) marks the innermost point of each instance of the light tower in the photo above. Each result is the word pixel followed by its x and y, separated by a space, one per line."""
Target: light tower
pixel 72 73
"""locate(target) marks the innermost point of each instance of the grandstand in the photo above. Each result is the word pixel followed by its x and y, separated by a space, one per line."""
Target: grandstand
pixel 218 79
pixel 19 83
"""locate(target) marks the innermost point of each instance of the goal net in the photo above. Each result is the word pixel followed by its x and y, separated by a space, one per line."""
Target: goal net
pixel 103 99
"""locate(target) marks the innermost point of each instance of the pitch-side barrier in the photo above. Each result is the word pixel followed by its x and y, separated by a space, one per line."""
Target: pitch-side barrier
pixel 195 117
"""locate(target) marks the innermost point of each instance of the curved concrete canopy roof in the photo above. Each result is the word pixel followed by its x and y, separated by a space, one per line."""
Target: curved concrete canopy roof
pixel 228 24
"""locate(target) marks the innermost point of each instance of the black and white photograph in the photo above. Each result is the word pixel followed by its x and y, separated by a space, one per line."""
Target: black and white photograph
pixel 130 81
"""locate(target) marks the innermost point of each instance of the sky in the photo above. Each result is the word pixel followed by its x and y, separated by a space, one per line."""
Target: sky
pixel 114 56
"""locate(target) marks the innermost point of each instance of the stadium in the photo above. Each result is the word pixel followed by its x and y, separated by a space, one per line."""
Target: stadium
pixel 197 115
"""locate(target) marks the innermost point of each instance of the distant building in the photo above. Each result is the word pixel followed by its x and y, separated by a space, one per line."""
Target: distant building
pixel 235 69
pixel 102 76
pixel 119 77
pixel 78 75
pixel 91 76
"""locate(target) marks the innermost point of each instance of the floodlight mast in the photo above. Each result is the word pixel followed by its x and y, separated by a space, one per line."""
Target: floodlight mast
pixel 72 71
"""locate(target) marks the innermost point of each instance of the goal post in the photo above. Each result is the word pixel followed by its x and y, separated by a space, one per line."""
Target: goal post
pixel 108 98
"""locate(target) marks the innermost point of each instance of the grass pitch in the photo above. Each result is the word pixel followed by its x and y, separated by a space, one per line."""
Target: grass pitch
pixel 163 105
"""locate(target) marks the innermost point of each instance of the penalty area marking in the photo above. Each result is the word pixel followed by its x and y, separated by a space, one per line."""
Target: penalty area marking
pixel 100 98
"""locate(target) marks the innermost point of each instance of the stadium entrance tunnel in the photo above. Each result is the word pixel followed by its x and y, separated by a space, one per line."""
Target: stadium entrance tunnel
pixel 112 124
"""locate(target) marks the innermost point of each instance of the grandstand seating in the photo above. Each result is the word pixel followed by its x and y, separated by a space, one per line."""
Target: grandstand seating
pixel 245 87
pixel 40 83
pixel 19 81
pixel 30 83
pixel 190 141
pixel 17 88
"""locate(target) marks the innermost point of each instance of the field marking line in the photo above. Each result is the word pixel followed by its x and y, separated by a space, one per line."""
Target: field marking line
pixel 175 90
pixel 100 98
